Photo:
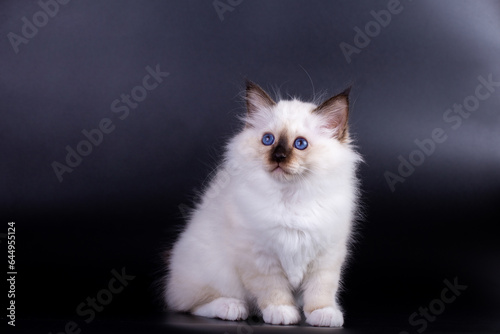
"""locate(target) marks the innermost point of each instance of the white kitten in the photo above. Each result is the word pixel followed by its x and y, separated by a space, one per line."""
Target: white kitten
pixel 275 221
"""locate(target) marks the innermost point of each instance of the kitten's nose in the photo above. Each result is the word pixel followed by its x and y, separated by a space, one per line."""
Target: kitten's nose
pixel 279 154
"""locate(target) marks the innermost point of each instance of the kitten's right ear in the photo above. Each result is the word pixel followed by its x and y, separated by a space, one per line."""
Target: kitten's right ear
pixel 336 112
pixel 256 98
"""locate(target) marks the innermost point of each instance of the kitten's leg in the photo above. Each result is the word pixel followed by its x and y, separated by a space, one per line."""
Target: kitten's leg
pixel 187 295
pixel 273 296
pixel 320 287
pixel 188 289
pixel 223 308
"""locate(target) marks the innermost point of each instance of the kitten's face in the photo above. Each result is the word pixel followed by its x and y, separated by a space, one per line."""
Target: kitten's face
pixel 292 138
pixel 286 141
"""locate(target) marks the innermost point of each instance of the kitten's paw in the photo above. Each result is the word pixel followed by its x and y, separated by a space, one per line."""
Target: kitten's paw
pixel 223 308
pixel 326 317
pixel 281 315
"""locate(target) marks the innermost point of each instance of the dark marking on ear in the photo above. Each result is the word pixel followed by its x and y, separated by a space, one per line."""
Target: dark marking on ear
pixel 336 110
pixel 257 98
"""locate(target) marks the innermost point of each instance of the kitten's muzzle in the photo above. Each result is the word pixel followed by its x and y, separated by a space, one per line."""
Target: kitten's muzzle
pixel 279 154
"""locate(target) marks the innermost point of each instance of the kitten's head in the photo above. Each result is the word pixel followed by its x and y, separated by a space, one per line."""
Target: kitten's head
pixel 291 139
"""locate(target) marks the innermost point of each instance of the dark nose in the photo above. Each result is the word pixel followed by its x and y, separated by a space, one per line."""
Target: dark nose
pixel 279 154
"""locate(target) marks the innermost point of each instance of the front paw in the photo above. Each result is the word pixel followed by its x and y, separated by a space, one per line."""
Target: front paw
pixel 326 317
pixel 281 315
pixel 223 308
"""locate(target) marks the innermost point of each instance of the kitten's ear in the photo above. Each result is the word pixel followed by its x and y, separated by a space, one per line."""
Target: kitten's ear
pixel 336 112
pixel 257 98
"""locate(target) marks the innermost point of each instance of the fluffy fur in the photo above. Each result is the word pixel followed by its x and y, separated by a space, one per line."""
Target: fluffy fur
pixel 275 221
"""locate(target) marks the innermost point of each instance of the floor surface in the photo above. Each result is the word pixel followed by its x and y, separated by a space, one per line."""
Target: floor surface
pixel 185 323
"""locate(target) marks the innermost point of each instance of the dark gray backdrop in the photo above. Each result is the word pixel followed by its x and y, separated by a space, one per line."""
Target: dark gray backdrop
pixel 412 65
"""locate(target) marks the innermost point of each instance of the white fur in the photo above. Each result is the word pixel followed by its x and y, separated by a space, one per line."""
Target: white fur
pixel 224 308
pixel 326 317
pixel 281 315
pixel 257 237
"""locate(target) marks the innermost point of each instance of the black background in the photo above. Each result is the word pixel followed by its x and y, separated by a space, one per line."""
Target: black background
pixel 120 208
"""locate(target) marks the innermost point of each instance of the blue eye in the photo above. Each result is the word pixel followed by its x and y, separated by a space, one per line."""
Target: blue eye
pixel 300 143
pixel 268 139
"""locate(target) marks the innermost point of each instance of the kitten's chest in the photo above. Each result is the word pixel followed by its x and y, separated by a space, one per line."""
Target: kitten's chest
pixel 294 250
pixel 287 231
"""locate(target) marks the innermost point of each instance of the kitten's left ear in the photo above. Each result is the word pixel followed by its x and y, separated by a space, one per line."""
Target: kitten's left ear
pixel 336 112
pixel 257 98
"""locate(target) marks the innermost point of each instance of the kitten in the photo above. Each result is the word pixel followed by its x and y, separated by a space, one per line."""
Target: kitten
pixel 275 221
